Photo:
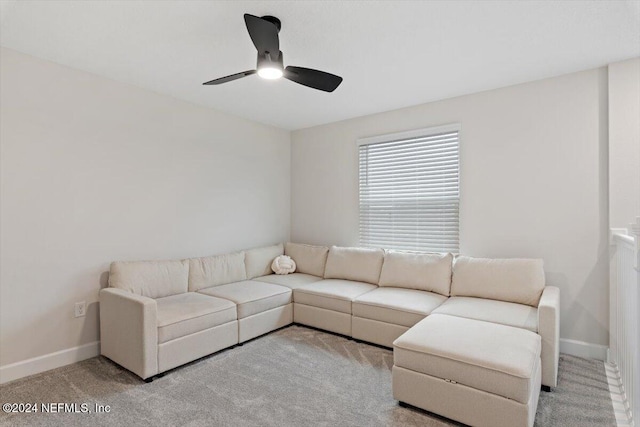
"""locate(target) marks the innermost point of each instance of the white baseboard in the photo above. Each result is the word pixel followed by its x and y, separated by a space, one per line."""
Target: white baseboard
pixel 583 349
pixel 76 354
pixel 39 364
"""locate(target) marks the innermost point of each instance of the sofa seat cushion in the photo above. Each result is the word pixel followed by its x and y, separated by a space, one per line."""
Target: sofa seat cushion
pixel 185 314
pixel 398 306
pixel 505 313
pixel 251 297
pixel 331 294
pixel 486 356
pixel 291 281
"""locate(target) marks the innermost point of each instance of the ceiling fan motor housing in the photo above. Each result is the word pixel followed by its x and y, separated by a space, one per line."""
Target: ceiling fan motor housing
pixel 267 60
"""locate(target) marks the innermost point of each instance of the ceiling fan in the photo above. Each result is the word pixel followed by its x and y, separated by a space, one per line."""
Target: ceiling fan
pixel 264 34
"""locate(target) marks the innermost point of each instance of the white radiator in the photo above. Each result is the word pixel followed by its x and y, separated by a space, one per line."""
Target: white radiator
pixel 624 315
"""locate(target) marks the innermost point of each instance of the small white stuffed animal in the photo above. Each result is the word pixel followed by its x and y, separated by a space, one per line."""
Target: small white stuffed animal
pixel 283 265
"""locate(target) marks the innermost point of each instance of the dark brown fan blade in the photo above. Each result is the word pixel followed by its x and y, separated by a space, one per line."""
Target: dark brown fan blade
pixel 313 78
pixel 264 35
pixel 230 78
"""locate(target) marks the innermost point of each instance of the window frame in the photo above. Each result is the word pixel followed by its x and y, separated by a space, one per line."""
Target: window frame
pixel 415 133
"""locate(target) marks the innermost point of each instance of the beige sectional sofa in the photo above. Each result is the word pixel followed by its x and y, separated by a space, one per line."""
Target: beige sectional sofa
pixel 157 315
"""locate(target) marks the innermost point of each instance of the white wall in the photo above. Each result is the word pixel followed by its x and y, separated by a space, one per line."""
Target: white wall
pixel 533 184
pixel 94 171
pixel 624 142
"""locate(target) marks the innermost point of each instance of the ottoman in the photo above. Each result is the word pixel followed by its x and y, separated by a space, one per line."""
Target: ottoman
pixel 471 371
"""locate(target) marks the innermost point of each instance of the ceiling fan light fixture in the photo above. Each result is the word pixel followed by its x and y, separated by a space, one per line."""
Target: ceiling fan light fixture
pixel 264 35
pixel 270 66
pixel 270 73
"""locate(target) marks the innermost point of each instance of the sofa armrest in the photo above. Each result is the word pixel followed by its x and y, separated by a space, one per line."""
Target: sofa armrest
pixel 549 330
pixel 129 331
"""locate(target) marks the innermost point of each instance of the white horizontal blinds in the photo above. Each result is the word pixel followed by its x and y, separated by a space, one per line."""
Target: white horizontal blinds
pixel 409 193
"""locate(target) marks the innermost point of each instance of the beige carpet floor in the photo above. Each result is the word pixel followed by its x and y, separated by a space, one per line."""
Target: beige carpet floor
pixel 293 377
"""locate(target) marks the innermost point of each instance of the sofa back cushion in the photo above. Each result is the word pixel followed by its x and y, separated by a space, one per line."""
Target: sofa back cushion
pixel 359 264
pixel 512 280
pixel 258 260
pixel 216 270
pixel 423 271
pixel 153 279
pixel 309 259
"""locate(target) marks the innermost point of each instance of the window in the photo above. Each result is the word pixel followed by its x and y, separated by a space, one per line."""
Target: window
pixel 409 190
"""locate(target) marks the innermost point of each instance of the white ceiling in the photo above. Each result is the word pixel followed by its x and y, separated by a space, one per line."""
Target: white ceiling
pixel 390 54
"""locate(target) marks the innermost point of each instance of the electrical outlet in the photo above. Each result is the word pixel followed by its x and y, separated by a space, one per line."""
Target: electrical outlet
pixel 80 309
